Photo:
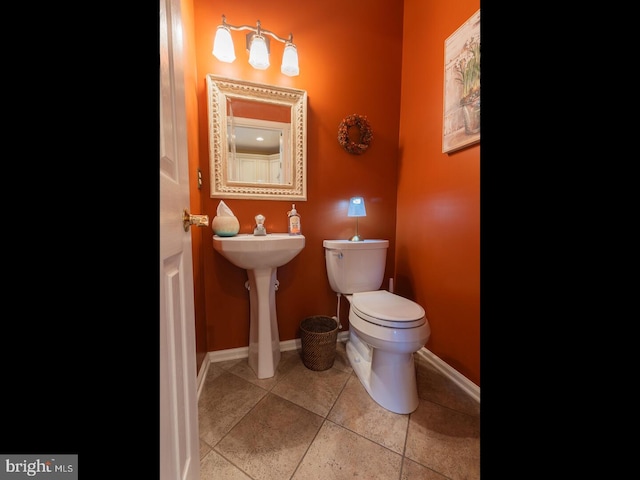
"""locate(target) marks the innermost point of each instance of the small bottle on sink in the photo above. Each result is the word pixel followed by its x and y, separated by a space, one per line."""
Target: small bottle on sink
pixel 294 221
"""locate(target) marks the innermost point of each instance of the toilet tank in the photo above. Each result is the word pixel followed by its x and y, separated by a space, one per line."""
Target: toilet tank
pixel 355 266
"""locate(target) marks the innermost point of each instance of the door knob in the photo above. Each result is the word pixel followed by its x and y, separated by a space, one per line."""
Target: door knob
pixel 198 220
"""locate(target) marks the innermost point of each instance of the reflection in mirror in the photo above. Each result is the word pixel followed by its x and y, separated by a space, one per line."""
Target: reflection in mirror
pixel 257 140
pixel 259 151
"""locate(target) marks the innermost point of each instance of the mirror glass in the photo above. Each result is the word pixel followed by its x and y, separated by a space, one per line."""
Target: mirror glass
pixel 257 140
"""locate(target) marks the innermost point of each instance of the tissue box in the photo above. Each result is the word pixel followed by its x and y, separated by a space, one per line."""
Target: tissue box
pixel 225 226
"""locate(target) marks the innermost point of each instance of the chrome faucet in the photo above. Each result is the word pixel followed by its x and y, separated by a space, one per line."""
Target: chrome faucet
pixel 260 228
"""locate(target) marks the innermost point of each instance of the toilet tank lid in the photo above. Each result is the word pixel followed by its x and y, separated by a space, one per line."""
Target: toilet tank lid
pixel 368 244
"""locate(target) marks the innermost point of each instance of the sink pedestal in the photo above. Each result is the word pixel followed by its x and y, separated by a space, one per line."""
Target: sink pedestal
pixel 261 255
pixel 264 339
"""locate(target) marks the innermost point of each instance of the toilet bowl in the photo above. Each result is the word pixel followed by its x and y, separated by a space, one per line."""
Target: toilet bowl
pixel 385 329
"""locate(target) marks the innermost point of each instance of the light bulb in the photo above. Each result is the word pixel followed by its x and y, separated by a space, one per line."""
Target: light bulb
pixel 290 61
pixel 258 54
pixel 223 45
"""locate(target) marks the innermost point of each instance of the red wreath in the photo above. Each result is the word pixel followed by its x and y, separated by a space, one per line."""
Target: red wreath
pixel 366 134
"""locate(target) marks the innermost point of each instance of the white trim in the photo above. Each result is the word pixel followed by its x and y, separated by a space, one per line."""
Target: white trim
pixel 202 374
pixel 452 374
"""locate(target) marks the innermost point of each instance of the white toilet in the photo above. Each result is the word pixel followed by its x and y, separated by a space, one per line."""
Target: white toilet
pixel 385 329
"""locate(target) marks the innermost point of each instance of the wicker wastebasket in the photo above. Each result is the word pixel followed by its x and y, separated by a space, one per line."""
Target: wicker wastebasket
pixel 318 335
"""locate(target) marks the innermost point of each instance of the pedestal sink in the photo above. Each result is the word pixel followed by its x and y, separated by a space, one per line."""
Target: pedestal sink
pixel 261 256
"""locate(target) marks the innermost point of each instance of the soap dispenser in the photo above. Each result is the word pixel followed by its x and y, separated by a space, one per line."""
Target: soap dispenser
pixel 294 221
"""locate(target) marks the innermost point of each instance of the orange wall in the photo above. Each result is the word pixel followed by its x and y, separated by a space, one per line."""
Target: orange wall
pixel 351 62
pixel 341 77
pixel 438 216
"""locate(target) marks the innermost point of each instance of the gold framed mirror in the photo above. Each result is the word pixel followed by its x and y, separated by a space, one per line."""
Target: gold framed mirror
pixel 257 140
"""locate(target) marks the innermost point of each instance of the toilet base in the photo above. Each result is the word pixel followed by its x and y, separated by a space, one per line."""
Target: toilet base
pixel 388 377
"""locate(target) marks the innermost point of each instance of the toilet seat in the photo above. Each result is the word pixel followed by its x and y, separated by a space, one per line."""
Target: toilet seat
pixel 387 309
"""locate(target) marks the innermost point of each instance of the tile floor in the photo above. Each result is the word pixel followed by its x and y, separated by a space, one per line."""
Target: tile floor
pixel 303 425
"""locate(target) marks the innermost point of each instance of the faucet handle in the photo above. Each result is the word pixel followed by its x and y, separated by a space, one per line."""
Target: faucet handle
pixel 260 229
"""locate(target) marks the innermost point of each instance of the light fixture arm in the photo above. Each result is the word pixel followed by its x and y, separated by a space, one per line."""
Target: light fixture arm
pixel 258 30
pixel 257 41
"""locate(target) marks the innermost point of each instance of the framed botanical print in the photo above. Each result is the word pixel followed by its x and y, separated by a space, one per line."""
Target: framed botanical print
pixel 461 109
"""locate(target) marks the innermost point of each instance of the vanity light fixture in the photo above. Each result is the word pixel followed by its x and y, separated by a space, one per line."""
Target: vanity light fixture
pixel 356 209
pixel 257 45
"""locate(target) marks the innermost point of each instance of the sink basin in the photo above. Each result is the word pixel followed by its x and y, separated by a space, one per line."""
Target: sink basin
pixel 252 252
pixel 261 256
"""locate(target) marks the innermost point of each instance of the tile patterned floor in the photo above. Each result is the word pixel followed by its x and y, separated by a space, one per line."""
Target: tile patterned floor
pixel 306 425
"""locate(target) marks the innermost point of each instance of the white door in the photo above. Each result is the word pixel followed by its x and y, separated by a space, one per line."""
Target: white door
pixel 179 444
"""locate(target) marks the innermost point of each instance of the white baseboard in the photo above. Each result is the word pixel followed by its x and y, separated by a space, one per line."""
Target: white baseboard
pixel 452 374
pixel 243 352
pixel 202 374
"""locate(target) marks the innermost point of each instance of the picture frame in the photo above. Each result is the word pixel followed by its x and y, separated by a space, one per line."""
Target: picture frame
pixel 461 97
